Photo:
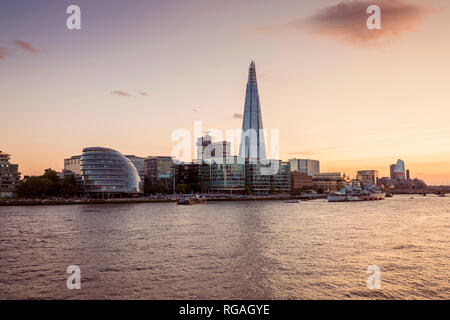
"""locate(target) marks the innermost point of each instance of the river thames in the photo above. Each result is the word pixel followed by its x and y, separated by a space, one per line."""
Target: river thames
pixel 228 250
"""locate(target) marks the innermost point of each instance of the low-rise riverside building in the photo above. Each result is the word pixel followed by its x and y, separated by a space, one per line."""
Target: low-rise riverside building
pixel 299 181
pixel 159 171
pixel 330 181
pixel 187 176
pixel 367 176
pixel 223 176
pixel 72 167
pixel 280 182
pixel 9 176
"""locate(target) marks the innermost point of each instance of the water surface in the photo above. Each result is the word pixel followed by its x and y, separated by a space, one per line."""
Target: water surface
pixel 228 250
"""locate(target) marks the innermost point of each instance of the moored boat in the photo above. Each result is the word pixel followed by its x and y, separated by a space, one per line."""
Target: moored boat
pixel 190 201
pixel 357 192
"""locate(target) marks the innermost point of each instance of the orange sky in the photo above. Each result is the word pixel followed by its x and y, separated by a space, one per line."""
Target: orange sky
pixel 140 70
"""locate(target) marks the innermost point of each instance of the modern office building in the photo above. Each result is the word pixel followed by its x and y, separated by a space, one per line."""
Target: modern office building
pixel 281 181
pixel 225 177
pixel 9 176
pixel 310 167
pixel 300 180
pixel 106 172
pixel 399 170
pixel 208 150
pixel 255 182
pixel 367 176
pixel 159 171
pixel 139 163
pixel 72 167
pixel 187 174
pixel 201 144
pixel 408 177
pixel 252 141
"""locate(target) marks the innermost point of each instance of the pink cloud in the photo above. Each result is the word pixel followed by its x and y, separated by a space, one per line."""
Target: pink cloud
pixel 237 116
pixel 120 93
pixel 346 21
pixel 4 52
pixel 25 46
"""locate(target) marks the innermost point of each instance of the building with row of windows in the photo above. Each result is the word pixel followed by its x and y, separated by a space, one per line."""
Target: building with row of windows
pixel 307 166
pixel 367 176
pixel 139 164
pixel 159 171
pixel 9 176
pixel 330 181
pixel 106 171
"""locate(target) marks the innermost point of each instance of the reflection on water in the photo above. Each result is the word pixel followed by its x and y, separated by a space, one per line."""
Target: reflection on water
pixel 228 250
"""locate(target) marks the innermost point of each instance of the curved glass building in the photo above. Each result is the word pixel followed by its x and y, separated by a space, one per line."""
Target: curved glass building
pixel 105 170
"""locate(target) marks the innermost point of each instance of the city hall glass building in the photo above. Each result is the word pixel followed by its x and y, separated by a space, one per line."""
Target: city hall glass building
pixel 105 170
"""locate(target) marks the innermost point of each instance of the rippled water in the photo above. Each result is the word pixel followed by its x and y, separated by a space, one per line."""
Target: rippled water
pixel 228 250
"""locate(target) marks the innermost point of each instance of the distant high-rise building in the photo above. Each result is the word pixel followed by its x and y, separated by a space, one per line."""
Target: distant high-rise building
pixel 392 168
pixel 407 175
pixel 72 167
pixel 399 170
pixel 9 176
pixel 310 167
pixel 367 176
pixel 252 142
pixel 208 150
pixel 202 143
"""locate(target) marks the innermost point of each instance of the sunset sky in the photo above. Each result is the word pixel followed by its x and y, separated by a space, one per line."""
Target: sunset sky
pixel 138 70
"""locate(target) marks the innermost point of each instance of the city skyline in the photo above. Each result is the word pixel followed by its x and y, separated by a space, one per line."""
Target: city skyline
pixel 352 105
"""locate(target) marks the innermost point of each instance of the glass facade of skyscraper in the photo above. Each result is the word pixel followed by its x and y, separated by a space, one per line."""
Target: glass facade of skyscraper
pixel 252 142
pixel 223 177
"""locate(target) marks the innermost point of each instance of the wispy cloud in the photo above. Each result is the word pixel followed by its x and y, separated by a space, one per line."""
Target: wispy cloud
pixel 237 116
pixel 25 46
pixel 303 153
pixel 143 93
pixel 4 52
pixel 120 93
pixel 346 21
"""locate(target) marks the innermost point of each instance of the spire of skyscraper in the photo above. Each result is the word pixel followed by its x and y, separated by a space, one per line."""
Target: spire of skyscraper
pixel 252 141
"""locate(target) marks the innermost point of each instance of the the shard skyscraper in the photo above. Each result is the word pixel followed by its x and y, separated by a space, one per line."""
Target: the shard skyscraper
pixel 252 142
